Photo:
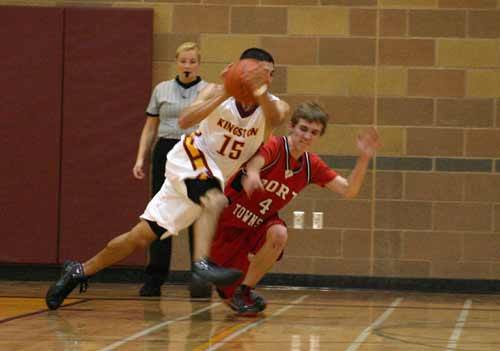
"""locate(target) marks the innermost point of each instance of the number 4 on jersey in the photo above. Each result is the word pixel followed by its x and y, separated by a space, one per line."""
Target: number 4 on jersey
pixel 265 205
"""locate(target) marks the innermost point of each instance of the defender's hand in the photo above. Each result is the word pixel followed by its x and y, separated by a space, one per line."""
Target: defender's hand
pixel 368 142
pixel 252 182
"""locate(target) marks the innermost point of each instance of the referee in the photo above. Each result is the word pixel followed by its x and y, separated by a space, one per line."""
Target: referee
pixel 168 99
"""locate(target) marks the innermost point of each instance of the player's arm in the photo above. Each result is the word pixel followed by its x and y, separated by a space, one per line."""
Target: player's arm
pixel 267 152
pixel 367 143
pixel 204 104
pixel 252 181
pixel 257 78
pixel 276 111
pixel 349 188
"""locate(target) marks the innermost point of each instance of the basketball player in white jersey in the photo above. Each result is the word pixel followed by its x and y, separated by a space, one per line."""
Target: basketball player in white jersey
pixel 195 173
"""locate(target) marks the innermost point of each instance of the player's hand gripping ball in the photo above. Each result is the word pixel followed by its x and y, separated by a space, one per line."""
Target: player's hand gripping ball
pixel 243 79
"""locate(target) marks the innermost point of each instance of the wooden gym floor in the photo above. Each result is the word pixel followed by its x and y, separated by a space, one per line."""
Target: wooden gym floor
pixel 113 317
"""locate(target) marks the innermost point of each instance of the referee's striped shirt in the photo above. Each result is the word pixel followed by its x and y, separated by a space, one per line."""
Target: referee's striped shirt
pixel 168 99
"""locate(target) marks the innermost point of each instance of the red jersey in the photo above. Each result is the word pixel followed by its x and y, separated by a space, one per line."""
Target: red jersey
pixel 244 222
pixel 283 178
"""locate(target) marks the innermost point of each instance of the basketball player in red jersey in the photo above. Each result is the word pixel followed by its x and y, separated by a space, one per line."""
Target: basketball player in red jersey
pixel 250 235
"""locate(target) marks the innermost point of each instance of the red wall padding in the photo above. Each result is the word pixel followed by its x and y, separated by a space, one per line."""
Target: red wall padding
pixel 107 82
pixel 30 115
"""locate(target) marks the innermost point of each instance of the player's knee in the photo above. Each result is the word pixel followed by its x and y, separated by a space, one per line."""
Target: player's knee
pixel 139 237
pixel 278 236
pixel 141 242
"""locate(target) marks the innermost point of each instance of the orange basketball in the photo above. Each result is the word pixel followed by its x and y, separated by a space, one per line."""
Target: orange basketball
pixel 234 84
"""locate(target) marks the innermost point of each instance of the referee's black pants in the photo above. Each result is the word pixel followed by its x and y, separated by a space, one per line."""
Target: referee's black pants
pixel 160 251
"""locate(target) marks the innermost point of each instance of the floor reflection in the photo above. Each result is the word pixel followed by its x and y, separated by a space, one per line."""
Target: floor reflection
pixel 112 317
pixel 65 331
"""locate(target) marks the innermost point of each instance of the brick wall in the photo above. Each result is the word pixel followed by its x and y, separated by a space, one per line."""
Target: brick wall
pixel 426 72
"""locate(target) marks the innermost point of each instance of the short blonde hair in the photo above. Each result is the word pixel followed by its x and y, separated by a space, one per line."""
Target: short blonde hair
pixel 188 45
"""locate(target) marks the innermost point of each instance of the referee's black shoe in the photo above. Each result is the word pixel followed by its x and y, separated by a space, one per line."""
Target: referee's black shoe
pixel 71 276
pixel 211 272
pixel 152 286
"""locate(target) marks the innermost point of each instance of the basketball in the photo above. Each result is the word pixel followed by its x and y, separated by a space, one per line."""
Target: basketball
pixel 234 84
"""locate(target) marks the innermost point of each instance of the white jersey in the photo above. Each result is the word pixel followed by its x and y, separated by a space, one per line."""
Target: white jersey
pixel 223 142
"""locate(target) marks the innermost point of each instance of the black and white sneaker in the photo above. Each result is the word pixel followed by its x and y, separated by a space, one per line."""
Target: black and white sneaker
pixel 71 276
pixel 211 272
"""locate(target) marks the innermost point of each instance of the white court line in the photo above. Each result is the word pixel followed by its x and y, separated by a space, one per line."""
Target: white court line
pixel 254 324
pixel 459 325
pixel 154 328
pixel 366 333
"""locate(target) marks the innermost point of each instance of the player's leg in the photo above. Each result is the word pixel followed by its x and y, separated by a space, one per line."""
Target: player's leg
pixel 198 288
pixel 212 201
pixel 264 259
pixel 120 247
pixel 245 300
pixel 75 273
